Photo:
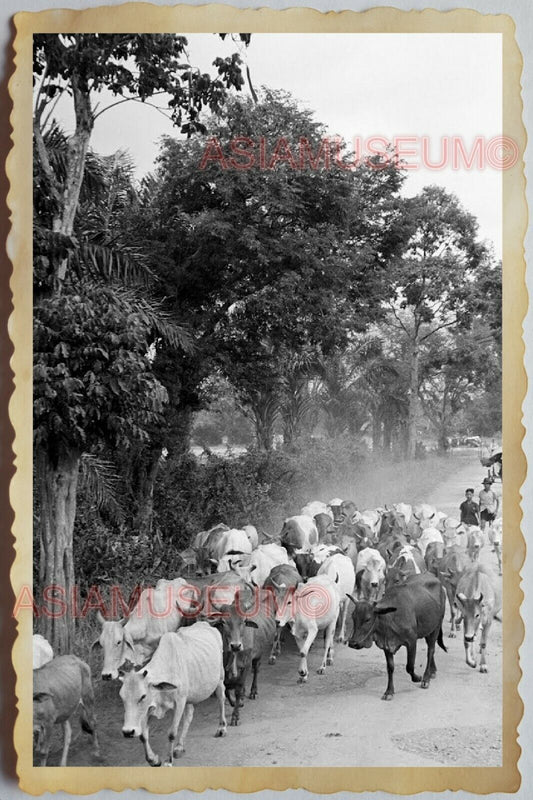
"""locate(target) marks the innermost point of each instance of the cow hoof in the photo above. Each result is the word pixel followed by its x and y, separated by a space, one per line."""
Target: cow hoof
pixel 424 685
pixel 483 668
pixel 321 671
pixel 329 661
pixel 302 679
pixel 220 733
pixel 167 764
pixel 416 678
pixel 387 696
pixel 472 664
pixel 178 752
pixel 155 762
pixel 252 695
pixel 234 722
pixel 272 660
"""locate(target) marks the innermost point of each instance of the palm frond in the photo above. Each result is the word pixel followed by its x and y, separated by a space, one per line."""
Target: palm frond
pixel 100 481
pixel 124 264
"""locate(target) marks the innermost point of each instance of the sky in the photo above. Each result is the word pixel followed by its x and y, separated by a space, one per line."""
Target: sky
pixel 362 85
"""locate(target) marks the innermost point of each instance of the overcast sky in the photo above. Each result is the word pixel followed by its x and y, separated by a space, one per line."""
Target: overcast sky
pixel 434 85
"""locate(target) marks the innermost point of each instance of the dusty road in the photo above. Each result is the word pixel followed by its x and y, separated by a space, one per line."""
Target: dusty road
pixel 338 719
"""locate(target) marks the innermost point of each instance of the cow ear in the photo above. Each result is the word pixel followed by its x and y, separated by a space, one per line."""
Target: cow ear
pixel 40 696
pixel 461 597
pixel 384 609
pixel 164 686
pixel 351 598
pixel 250 623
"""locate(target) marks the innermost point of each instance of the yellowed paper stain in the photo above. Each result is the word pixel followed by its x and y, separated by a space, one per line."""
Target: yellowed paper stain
pixel 145 18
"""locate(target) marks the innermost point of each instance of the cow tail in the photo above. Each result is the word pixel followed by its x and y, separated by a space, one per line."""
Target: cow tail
pixel 440 641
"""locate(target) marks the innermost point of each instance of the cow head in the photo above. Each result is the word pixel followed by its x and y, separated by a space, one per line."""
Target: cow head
pixel 117 646
pixel 140 698
pixel 364 619
pixel 471 609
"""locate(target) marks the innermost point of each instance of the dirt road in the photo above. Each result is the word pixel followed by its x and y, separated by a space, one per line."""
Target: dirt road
pixel 338 719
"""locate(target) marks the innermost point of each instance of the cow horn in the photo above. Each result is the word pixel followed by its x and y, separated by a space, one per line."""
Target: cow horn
pixel 123 621
pixel 461 597
pixel 351 598
pixel 99 617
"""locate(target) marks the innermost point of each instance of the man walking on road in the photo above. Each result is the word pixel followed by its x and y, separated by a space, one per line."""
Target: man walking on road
pixel 469 510
pixel 488 506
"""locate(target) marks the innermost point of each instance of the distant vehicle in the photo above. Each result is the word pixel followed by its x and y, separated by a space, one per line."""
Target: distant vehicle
pixel 472 441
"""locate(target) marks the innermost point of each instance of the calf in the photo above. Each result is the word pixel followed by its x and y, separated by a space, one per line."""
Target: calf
pixel 185 669
pixel 60 687
pixel 313 607
pixel 403 615
pixel 479 598
pixel 281 582
pixel 340 570
pixel 370 574
pixel 42 651
pixel 474 543
pixel 136 637
pixel 248 632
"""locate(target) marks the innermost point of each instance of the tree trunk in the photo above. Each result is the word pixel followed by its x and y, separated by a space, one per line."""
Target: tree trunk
pixel 58 485
pixel 78 147
pixel 265 411
pixel 145 493
pixel 412 413
pixel 443 426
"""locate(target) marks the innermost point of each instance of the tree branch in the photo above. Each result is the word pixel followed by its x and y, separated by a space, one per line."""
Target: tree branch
pixel 438 328
pixel 129 100
pixel 45 161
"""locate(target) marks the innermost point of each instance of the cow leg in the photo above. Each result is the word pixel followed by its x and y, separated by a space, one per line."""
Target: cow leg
pixel 222 725
pixel 152 758
pixel 328 648
pixel 342 633
pixel 276 646
pixel 483 646
pixel 411 658
pixel 451 598
pixel 184 726
pixel 303 650
pixel 239 692
pixel 175 725
pixel 255 670
pixel 430 670
pixel 67 736
pixel 389 691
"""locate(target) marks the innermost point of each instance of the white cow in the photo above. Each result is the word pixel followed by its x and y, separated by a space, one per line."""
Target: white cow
pixel 370 574
pixel 299 534
pixel 428 535
pixel 42 651
pixel 405 510
pixel 251 533
pixel 316 507
pixel 186 669
pixel 313 607
pixel 255 567
pixel 339 568
pixel 232 541
pixel 135 638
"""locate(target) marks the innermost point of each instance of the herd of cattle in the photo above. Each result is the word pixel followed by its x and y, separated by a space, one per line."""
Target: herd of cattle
pixel 202 633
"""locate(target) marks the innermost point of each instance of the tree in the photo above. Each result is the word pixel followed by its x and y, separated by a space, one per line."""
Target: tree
pixel 432 280
pixel 93 374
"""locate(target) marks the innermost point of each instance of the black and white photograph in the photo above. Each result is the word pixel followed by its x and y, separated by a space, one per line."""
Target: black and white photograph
pixel 268 523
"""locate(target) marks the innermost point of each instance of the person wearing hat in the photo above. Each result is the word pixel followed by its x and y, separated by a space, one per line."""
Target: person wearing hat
pixel 469 510
pixel 488 505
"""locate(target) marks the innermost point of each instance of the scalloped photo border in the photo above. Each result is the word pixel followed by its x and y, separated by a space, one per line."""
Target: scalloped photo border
pixel 146 18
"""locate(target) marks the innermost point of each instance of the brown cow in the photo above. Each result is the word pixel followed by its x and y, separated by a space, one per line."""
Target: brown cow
pixel 403 615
